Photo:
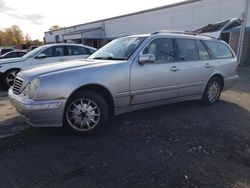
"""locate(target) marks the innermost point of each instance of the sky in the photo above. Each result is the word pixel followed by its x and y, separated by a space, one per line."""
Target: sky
pixel 37 16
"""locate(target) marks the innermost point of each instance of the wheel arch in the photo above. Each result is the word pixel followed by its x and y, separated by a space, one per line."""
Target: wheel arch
pixel 100 89
pixel 10 69
pixel 220 77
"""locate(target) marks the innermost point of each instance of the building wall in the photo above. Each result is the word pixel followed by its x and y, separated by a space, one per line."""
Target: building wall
pixel 245 60
pixel 183 17
pixel 234 40
pixel 50 35
pixel 187 16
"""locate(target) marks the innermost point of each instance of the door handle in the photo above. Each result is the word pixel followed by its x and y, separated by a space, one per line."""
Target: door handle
pixel 208 65
pixel 174 69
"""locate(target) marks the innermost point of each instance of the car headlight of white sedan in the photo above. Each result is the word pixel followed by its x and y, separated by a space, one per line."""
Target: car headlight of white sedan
pixel 31 89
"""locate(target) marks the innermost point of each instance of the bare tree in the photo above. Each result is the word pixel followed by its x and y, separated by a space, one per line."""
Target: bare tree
pixel 14 36
pixel 17 34
pixel 28 40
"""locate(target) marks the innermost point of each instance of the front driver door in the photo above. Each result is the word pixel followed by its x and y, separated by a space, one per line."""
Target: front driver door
pixel 52 54
pixel 156 81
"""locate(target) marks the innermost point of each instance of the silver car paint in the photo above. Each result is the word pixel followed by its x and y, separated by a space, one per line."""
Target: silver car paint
pixel 131 85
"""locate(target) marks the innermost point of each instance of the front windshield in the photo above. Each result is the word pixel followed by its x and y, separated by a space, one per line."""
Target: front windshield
pixel 34 52
pixel 119 49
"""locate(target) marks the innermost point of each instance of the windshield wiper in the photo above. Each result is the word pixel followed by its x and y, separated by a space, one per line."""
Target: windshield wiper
pixel 110 58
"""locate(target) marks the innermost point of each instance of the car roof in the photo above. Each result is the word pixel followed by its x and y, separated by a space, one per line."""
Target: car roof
pixel 177 34
pixel 67 44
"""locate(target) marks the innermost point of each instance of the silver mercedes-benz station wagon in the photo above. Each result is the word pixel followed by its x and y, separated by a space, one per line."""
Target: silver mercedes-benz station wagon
pixel 127 74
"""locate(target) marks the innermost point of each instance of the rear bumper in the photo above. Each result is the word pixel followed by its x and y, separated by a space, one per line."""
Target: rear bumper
pixel 229 82
pixel 39 113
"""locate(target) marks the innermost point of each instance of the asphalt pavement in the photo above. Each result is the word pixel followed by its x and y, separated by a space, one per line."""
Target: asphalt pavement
pixel 177 145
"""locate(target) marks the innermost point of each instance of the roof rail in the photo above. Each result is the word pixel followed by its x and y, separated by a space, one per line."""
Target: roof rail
pixel 175 32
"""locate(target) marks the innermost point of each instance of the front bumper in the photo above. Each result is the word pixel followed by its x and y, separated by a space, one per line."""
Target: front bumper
pixel 39 113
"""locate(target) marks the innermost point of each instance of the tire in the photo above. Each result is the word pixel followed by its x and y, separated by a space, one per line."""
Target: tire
pixel 9 77
pixel 86 113
pixel 212 92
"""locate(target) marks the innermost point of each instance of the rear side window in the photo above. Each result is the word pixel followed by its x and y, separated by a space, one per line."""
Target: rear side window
pixel 219 50
pixel 75 50
pixel 55 51
pixel 187 50
pixel 203 53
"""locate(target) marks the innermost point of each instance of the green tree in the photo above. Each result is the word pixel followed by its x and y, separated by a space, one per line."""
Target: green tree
pixel 54 27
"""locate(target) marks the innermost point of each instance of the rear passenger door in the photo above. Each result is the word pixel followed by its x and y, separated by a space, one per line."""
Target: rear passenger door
pixel 195 66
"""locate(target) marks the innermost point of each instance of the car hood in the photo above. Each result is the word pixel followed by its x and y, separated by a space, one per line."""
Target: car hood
pixel 11 60
pixel 34 72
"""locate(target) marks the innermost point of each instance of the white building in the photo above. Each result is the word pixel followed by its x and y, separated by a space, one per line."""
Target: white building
pixel 187 15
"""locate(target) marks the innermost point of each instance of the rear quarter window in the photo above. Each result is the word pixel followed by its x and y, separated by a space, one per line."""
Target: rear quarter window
pixel 203 53
pixel 219 50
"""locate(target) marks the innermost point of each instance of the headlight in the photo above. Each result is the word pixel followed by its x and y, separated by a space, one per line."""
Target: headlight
pixel 31 88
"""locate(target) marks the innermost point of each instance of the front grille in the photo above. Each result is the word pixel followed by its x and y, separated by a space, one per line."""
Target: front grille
pixel 17 86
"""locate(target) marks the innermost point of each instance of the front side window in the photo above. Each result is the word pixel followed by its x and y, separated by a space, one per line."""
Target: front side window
pixel 203 53
pixel 55 51
pixel 34 52
pixel 187 50
pixel 162 49
pixel 119 49
pixel 11 55
pixel 219 50
pixel 77 50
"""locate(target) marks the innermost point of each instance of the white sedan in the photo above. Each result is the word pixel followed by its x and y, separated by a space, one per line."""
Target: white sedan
pixel 42 55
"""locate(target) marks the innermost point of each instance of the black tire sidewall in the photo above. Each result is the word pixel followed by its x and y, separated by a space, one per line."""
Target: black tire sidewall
pixel 205 99
pixel 5 85
pixel 100 102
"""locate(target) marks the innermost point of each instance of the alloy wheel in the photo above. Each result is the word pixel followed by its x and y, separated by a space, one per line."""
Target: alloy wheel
pixel 213 91
pixel 83 114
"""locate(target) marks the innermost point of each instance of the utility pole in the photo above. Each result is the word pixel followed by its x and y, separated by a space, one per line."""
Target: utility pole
pixel 242 32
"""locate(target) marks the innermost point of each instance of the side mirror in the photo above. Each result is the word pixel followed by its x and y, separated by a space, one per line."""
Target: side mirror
pixel 146 58
pixel 40 56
